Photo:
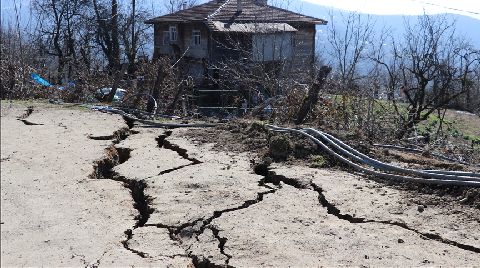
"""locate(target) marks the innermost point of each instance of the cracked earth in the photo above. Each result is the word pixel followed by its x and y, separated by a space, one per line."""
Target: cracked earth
pixel 81 188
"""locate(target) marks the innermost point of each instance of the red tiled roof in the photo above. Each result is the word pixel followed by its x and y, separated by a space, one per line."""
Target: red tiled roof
pixel 227 11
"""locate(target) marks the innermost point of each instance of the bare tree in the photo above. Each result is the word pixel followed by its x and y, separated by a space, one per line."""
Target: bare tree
pixel 21 56
pixel 349 41
pixel 59 25
pixel 15 52
pixel 349 46
pixel 469 64
pixel 107 31
pixel 172 6
pixel 431 68
pixel 475 96
pixel 133 40
pixel 241 66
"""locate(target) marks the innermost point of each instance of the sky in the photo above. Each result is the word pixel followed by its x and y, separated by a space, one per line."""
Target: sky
pixel 8 14
pixel 469 8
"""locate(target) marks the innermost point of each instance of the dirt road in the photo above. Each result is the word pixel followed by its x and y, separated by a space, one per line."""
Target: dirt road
pixel 80 188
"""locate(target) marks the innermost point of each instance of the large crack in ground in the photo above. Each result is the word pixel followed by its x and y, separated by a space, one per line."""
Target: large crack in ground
pixel 195 228
pixel 164 143
pixel 116 137
pixel 24 117
pixel 222 241
pixel 129 235
pixel 27 113
pixel 103 169
pixel 141 202
pixel 28 123
pixel 274 178
pixel 188 229
pixel 331 209
pixel 206 223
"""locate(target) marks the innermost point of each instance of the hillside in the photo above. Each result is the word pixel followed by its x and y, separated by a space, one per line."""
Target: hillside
pixel 466 26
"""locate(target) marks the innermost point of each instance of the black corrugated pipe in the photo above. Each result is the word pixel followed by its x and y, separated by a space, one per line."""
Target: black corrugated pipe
pixel 381 169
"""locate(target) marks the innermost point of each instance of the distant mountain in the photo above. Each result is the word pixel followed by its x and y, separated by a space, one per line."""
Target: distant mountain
pixel 466 26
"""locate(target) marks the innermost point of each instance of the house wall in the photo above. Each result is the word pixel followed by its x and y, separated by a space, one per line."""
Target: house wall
pixel 194 54
pixel 230 46
pixel 303 50
pixel 159 47
pixel 195 51
pixel 272 47
pixel 209 51
pixel 184 40
pixel 298 58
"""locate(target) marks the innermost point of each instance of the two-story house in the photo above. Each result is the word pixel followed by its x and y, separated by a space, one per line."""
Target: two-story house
pixel 243 30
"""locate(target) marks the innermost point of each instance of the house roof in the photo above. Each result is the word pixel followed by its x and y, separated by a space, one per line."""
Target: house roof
pixel 260 27
pixel 226 11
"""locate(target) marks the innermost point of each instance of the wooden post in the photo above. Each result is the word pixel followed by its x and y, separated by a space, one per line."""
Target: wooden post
pixel 312 98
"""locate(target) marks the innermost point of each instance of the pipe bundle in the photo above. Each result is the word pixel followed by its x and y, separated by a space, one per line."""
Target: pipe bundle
pixel 367 165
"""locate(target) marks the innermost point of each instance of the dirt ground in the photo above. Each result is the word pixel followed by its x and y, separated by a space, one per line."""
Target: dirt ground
pixel 79 188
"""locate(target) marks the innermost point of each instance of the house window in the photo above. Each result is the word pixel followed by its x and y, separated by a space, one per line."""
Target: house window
pixel 196 37
pixel 173 33
pixel 166 37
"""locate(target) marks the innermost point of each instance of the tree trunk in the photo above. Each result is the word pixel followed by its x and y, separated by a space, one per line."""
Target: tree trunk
pixel 11 78
pixel 156 87
pixel 139 85
pixel 312 98
pixel 133 53
pixel 118 77
pixel 171 107
pixel 115 37
pixel 412 120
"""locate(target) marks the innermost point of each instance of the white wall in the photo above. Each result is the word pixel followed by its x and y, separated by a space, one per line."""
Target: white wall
pixel 270 47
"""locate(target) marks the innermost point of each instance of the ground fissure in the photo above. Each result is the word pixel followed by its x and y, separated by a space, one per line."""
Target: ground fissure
pixel 119 155
pixel 103 169
pixel 333 210
pixel 25 115
pixel 169 200
pixel 197 227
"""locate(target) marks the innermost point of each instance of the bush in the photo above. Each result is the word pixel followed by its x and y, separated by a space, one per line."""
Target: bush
pixel 318 161
pixel 280 148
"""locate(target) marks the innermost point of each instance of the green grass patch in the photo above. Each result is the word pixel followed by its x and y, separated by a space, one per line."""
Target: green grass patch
pixel 318 161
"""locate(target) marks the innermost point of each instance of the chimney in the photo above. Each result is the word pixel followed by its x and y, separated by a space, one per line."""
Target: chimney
pixel 239 6
pixel 184 4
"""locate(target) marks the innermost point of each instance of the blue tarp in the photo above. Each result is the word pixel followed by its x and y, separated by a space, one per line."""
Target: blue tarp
pixel 37 78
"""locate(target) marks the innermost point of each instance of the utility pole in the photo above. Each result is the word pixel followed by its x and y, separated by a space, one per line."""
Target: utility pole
pixel 133 25
pixel 115 38
pixel 133 36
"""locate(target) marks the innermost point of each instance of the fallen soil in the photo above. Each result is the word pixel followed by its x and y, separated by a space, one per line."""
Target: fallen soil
pixel 81 188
